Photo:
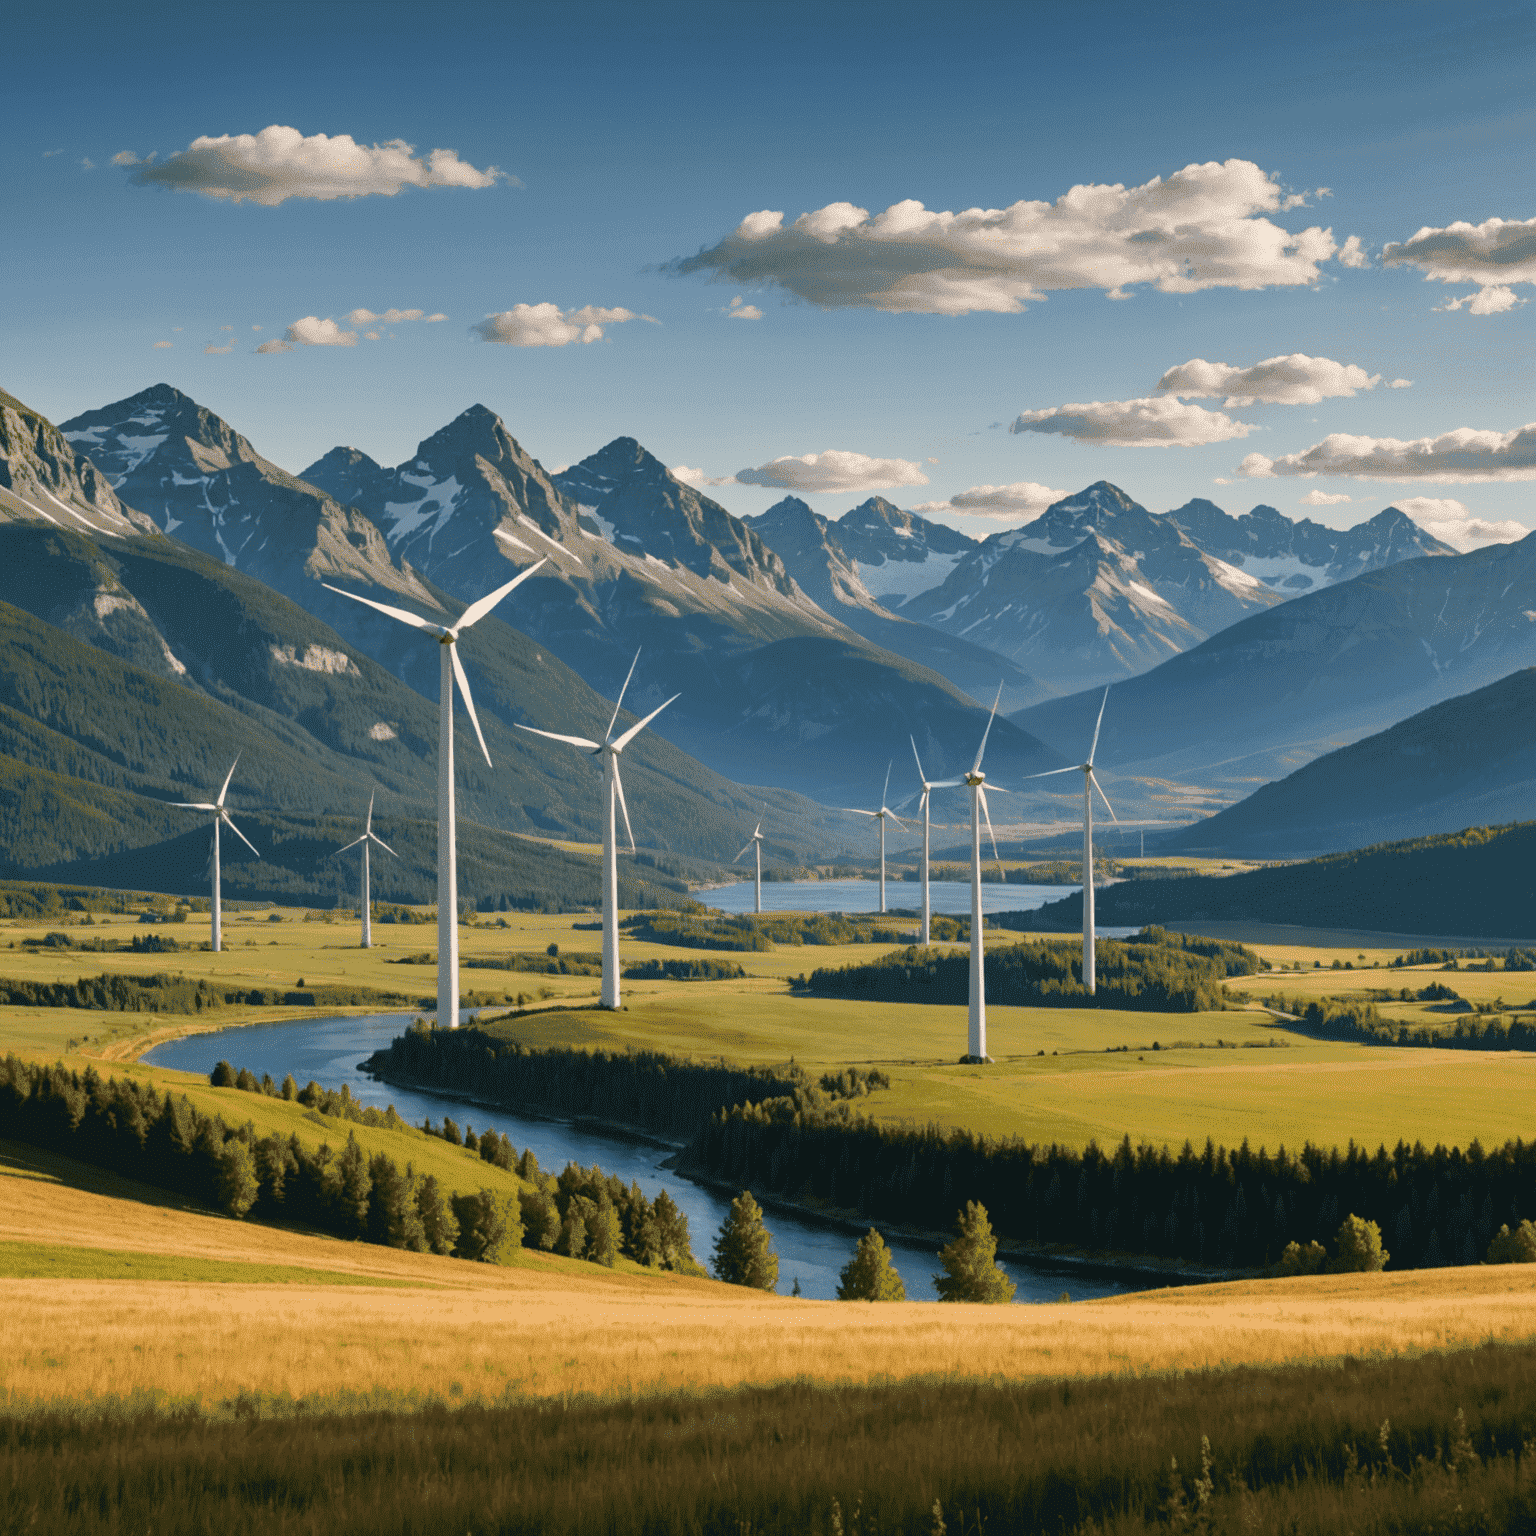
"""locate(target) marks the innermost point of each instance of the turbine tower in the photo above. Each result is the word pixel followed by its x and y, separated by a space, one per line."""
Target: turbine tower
pixel 1090 783
pixel 369 836
pixel 976 1035
pixel 220 815
pixel 450 668
pixel 755 843
pixel 880 816
pixel 924 806
pixel 609 749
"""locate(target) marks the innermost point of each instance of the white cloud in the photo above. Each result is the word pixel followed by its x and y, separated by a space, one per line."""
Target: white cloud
pixel 278 163
pixel 738 309
pixel 213 351
pixel 311 332
pixel 268 347
pixel 834 470
pixel 1465 455
pixel 1493 300
pixel 1323 499
pixel 387 317
pixel 1202 227
pixel 699 477
pixel 1451 522
pixel 88 164
pixel 371 336
pixel 1352 253
pixel 127 157
pixel 547 325
pixel 1493 254
pixel 1295 379
pixel 1400 384
pixel 1159 422
pixel 1022 501
pixel 433 319
pixel 161 345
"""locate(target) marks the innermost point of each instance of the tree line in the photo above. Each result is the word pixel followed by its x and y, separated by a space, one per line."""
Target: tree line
pixel 1227 1208
pixel 163 993
pixel 1332 1018
pixel 1156 975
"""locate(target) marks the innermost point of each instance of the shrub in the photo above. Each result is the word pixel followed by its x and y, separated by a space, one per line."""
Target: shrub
pixel 237 1179
pixel 1517 1247
pixel 1359 1245
pixel 1297 1260
pixel 490 1226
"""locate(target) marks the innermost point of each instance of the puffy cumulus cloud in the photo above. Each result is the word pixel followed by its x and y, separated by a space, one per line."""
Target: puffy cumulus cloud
pixel 278 163
pixel 738 309
pixel 1400 384
pixel 1323 499
pixel 311 332
pixel 1352 253
pixel 547 325
pixel 1022 501
pixel 387 317
pixel 1463 456
pixel 212 350
pixel 127 157
pixel 1203 227
pixel 1158 422
pixel 1293 380
pixel 698 477
pixel 1493 255
pixel 268 347
pixel 1451 522
pixel 834 470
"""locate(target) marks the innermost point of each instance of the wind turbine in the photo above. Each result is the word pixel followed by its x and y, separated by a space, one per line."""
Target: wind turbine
pixel 220 815
pixel 880 816
pixel 609 749
pixel 924 806
pixel 976 1040
pixel 447 844
pixel 1090 783
pixel 755 842
pixel 369 836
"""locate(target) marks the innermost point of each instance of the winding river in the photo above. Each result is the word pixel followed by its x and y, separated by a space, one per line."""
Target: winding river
pixel 329 1051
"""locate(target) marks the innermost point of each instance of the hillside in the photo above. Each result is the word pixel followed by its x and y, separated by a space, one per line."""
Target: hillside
pixel 1470 760
pixel 1480 883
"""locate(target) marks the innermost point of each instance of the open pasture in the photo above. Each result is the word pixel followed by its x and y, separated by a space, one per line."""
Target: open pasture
pixel 553 1327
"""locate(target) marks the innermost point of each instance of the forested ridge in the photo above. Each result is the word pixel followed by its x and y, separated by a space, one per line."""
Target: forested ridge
pixel 1233 1209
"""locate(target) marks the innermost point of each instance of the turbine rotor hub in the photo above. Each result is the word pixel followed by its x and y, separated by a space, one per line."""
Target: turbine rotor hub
pixel 975 779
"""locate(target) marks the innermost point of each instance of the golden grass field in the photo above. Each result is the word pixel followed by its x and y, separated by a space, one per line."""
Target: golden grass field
pixel 1268 1085
pixel 554 1327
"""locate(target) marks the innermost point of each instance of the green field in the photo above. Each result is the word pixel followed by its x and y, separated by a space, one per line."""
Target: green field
pixel 1059 1074
pixel 55 1261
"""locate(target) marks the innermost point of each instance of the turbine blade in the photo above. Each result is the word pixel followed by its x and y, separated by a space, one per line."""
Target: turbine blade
pixel 618 785
pixel 976 767
pixel 885 792
pixel 506 538
pixel 897 819
pixel 539 533
pixel 990 833
pixel 852 812
pixel 916 759
pixel 744 852
pixel 1072 768
pixel 227 777
pixel 922 800
pixel 574 741
pixel 368 824
pixel 191 805
pixel 1105 798
pixel 478 609
pixel 635 730
pixel 412 619
pixel 374 836
pixel 469 703
pixel 353 844
pixel 1095 747
pixel 622 691
pixel 947 784
pixel 224 816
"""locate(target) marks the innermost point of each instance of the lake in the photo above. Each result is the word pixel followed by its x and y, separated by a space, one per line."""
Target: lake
pixel 329 1050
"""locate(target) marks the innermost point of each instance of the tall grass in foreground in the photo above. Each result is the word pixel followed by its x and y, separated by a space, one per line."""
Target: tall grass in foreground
pixel 1442 1442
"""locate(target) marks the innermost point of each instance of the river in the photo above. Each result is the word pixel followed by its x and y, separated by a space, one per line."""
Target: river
pixel 329 1050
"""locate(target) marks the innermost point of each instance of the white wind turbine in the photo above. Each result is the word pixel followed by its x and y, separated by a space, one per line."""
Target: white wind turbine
pixel 881 815
pixel 976 1038
pixel 609 749
pixel 1090 783
pixel 447 844
pixel 755 843
pixel 925 807
pixel 220 815
pixel 369 836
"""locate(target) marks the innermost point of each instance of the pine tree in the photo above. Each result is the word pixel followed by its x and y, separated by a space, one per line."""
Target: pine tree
pixel 237 1178
pixel 970 1267
pixel 438 1225
pixel 744 1248
pixel 869 1275
pixel 674 1246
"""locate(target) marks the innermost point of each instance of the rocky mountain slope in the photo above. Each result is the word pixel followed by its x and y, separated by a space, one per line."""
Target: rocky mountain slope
pixel 1297 556
pixel 1095 589
pixel 899 553
pixel 1467 762
pixel 1267 695
pixel 813 552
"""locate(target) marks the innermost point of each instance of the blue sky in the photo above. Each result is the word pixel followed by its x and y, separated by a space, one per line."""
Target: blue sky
pixel 630 137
